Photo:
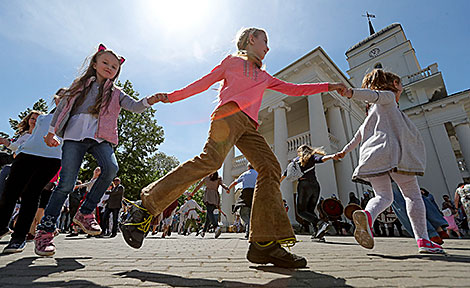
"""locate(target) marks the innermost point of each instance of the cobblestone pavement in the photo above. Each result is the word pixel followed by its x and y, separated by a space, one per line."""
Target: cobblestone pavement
pixel 192 261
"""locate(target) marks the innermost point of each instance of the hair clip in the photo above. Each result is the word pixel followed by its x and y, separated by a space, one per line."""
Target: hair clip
pixel 121 59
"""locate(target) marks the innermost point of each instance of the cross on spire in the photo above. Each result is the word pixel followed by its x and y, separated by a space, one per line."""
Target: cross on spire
pixel 371 28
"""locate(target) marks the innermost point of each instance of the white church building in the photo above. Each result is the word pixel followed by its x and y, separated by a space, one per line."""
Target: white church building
pixel 330 120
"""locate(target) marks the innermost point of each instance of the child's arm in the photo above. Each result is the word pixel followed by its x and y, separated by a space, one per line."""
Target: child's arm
pixel 293 89
pixel 198 86
pixel 371 96
pixel 328 157
pixel 350 146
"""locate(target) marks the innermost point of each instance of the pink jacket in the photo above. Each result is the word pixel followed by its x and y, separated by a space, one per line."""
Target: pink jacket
pixel 107 119
pixel 244 84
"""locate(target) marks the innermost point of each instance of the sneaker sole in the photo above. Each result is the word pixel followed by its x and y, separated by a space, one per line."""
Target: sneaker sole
pixel 128 238
pixel 11 251
pixel 362 233
pixel 42 253
pixel 6 234
pixel 431 251
pixel 89 232
pixel 276 262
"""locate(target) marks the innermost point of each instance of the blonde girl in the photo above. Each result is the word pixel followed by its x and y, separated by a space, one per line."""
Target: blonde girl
pixel 86 119
pixel 234 123
pixel 391 147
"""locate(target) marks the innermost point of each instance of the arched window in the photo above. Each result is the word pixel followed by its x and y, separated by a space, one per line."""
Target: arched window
pixel 378 66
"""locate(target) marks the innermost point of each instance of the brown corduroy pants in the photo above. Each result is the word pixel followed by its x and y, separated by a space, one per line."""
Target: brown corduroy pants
pixel 230 126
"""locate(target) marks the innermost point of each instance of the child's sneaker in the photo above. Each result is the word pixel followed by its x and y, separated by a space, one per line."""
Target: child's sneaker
pixel 137 225
pixel 363 233
pixel 88 223
pixel 273 253
pixel 426 246
pixel 44 243
pixel 14 246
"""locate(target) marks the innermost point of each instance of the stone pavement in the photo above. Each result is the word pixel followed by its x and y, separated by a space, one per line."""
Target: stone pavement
pixel 192 261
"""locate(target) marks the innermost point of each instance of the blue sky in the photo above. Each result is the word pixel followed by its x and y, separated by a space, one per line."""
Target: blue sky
pixel 168 44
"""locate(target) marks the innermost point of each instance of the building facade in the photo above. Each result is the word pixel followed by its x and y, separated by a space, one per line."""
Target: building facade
pixel 330 121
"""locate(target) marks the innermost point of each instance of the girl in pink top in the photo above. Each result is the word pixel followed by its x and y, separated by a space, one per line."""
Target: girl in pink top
pixel 234 122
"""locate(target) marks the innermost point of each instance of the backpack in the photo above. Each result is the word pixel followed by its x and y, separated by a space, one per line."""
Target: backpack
pixel 294 172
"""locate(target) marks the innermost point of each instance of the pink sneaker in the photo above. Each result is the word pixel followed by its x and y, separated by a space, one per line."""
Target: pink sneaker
pixel 88 223
pixel 44 243
pixel 363 233
pixel 426 246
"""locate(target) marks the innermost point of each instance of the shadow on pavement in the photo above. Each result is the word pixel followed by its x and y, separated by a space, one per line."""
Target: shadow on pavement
pixel 435 257
pixel 298 278
pixel 336 243
pixel 22 272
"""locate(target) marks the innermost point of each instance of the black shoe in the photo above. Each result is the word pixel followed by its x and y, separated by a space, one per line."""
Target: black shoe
pixel 322 231
pixel 137 225
pixel 73 234
pixel 14 246
pixel 112 235
pixel 275 254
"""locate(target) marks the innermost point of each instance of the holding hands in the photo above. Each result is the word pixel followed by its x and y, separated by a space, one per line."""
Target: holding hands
pixel 158 97
pixel 341 89
pixel 51 140
pixel 339 155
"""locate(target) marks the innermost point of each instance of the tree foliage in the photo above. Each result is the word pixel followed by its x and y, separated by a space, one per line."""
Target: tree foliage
pixel 140 162
pixel 40 105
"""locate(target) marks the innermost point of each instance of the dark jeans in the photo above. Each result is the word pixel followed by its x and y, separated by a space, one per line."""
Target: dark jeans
pixel 105 220
pixel 28 176
pixel 308 192
pixel 210 217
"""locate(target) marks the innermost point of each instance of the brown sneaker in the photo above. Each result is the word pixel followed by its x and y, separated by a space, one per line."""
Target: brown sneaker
pixel 274 254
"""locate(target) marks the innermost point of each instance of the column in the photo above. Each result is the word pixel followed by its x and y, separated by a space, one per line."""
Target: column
pixel 319 137
pixel 227 200
pixel 280 150
pixel 462 130
pixel 446 162
pixel 343 167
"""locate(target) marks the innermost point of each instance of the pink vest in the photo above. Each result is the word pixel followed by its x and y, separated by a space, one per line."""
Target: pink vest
pixel 107 118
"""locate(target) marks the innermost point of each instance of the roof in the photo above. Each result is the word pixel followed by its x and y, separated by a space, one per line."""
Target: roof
pixel 373 36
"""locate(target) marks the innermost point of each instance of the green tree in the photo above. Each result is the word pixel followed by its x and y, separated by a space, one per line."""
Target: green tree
pixel 137 154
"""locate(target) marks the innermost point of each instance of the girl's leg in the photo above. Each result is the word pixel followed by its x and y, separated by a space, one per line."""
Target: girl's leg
pixel 72 157
pixel 306 197
pixel 104 155
pixel 414 204
pixel 382 186
pixel 227 125
pixel 269 220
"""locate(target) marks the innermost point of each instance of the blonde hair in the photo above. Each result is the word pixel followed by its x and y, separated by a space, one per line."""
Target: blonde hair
pixel 80 89
pixel 378 79
pixel 305 152
pixel 23 126
pixel 242 39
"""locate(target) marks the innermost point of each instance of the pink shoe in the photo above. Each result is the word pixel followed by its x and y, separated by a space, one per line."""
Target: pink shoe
pixel 363 233
pixel 88 223
pixel 426 246
pixel 44 243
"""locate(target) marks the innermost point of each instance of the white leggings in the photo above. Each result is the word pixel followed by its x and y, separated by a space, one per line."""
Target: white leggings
pixel 415 208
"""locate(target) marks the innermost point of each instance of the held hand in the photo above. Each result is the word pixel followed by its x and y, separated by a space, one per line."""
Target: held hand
pixel 339 155
pixel 347 93
pixel 340 87
pixel 51 140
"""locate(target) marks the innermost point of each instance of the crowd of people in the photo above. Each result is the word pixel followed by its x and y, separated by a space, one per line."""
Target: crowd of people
pixel 51 147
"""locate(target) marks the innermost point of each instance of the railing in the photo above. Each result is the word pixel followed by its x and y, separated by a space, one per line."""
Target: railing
pixel 426 72
pixel 239 161
pixel 294 142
